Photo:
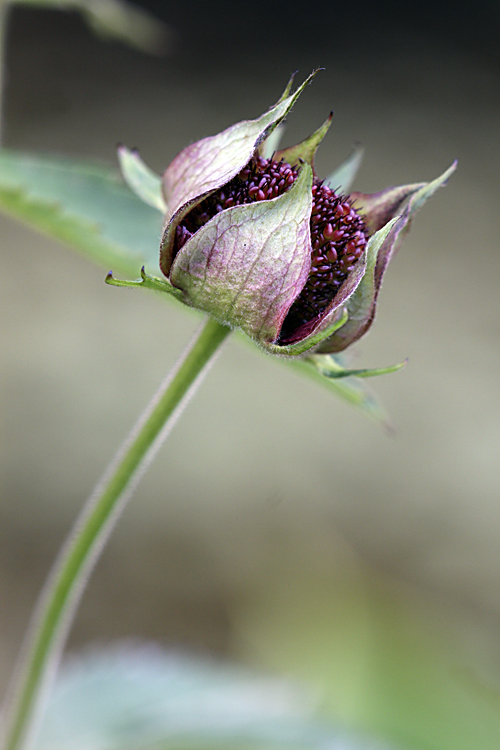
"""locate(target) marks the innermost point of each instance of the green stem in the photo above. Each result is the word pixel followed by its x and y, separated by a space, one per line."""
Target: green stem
pixel 54 613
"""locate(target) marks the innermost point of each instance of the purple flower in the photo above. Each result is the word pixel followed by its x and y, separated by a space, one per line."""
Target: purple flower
pixel 261 243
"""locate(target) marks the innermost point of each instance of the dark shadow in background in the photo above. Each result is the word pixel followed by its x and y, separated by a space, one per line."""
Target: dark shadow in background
pixel 214 31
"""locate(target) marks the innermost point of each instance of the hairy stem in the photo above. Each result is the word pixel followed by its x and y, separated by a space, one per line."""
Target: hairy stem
pixel 58 601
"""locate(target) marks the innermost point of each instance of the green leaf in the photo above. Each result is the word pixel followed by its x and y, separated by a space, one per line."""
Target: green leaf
pixel 383 656
pixel 139 697
pixel 86 206
pixel 341 179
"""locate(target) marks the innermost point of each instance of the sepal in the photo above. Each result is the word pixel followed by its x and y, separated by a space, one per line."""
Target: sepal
pixel 304 151
pixel 247 265
pixel 342 178
pixel 145 183
pixel 147 282
pixel 381 248
pixel 331 367
pixel 206 165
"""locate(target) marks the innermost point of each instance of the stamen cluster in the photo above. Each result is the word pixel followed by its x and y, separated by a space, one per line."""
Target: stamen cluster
pixel 261 179
pixel 338 239
pixel 338 235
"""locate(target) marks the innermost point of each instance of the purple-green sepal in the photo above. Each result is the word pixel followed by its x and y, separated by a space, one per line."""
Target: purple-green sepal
pixel 382 246
pixel 248 263
pixel 205 166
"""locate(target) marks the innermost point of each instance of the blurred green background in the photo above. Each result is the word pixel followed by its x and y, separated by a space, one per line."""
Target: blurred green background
pixel 278 528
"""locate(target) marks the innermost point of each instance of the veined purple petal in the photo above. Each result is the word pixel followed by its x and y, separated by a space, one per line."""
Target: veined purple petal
pixel 381 248
pixel 379 208
pixel 247 265
pixel 208 164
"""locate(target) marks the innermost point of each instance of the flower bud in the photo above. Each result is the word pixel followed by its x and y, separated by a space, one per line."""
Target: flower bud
pixel 259 242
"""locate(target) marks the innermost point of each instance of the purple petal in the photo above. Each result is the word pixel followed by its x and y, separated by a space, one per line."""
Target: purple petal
pixel 207 165
pixel 327 317
pixel 381 248
pixel 379 208
pixel 247 265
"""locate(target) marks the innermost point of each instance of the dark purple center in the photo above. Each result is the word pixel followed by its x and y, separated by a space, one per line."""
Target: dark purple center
pixel 338 234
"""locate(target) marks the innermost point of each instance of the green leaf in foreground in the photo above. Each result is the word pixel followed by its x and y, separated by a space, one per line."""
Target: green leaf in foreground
pixel 139 697
pixel 86 206
pixel 382 656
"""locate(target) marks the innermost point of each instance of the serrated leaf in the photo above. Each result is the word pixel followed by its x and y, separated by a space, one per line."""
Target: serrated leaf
pixel 88 207
pixel 147 282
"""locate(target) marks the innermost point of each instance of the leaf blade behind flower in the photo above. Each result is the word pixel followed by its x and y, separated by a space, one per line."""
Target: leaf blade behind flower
pixel 86 206
pixel 352 390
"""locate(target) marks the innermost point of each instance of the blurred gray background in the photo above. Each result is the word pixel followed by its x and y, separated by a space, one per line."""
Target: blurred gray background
pixel 268 486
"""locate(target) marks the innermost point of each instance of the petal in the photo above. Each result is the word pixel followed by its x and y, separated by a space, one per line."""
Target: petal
pixel 319 328
pixel 305 150
pixel 381 248
pixel 208 164
pixel 379 208
pixel 248 263
pixel 342 178
pixel 361 306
